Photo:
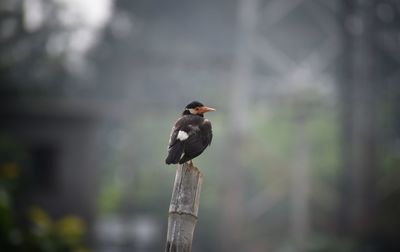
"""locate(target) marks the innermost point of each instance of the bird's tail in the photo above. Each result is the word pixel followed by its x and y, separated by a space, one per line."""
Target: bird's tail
pixel 174 154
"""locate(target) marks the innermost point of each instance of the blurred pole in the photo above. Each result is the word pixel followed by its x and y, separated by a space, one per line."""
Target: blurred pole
pixel 359 119
pixel 233 215
pixel 243 64
pixel 183 208
pixel 300 180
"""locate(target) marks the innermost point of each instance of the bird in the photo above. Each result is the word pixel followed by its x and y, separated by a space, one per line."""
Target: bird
pixel 190 135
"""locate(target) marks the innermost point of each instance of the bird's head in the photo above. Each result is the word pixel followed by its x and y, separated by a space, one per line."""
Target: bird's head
pixel 196 108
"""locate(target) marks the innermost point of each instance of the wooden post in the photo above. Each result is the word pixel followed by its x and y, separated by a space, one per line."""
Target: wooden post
pixel 183 208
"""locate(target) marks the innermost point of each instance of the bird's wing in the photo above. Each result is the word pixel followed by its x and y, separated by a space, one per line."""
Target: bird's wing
pixel 194 145
pixel 181 131
pixel 177 132
pixel 172 136
pixel 199 138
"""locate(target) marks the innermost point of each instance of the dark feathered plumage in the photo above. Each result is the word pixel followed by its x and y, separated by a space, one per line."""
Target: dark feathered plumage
pixel 191 134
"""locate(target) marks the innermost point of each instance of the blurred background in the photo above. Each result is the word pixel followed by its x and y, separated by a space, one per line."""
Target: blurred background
pixel 306 148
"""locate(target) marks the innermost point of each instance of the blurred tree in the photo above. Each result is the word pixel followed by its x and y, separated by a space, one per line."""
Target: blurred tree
pixel 47 41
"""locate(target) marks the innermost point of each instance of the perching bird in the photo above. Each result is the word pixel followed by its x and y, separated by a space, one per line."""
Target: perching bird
pixel 190 135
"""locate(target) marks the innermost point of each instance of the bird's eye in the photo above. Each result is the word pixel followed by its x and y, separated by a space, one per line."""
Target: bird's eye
pixel 197 108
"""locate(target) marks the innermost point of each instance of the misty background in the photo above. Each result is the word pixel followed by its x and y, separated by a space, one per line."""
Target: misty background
pixel 306 147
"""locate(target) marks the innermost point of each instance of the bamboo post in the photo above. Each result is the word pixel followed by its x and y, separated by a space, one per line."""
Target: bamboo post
pixel 183 208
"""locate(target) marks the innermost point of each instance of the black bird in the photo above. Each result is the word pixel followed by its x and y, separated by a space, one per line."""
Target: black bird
pixel 190 135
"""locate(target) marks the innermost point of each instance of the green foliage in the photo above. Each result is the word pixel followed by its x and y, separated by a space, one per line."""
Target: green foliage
pixel 30 229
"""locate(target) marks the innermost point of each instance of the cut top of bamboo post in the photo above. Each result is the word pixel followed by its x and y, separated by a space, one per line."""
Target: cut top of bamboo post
pixel 186 192
pixel 184 208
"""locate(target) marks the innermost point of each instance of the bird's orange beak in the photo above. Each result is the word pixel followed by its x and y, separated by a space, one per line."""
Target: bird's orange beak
pixel 205 109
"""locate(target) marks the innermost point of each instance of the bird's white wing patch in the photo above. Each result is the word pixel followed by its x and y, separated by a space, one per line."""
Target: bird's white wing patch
pixel 182 135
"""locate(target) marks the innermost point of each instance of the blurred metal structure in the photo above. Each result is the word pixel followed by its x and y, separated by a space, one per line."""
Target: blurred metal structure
pixel 292 79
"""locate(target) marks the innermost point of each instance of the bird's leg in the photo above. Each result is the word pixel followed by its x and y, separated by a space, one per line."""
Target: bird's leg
pixel 190 162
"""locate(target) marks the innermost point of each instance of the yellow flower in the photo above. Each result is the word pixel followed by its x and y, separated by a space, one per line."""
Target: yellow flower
pixel 41 220
pixel 10 170
pixel 71 229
